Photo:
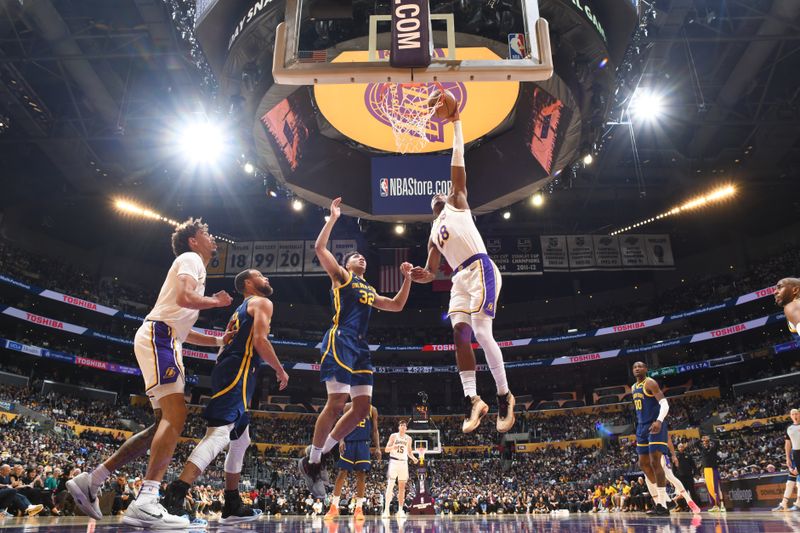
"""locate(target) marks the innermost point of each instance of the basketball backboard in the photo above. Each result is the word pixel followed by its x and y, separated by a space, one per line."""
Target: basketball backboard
pixel 348 41
pixel 428 439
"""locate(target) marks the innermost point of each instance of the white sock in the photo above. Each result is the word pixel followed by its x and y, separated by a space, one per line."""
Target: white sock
pixel 99 475
pixel 494 357
pixel 360 503
pixel 662 496
pixel 787 492
pixel 469 383
pixel 330 442
pixel 651 489
pixel 149 489
pixel 316 455
pixel 335 501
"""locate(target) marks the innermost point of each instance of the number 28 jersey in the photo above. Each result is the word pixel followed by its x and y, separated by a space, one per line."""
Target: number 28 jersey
pixel 352 305
pixel 455 235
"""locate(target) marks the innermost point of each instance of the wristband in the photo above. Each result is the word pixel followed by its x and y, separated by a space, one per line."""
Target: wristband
pixel 220 341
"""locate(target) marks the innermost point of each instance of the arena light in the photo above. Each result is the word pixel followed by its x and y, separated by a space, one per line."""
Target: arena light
pixel 587 159
pixel 202 142
pixel 249 168
pixel 297 204
pixel 507 215
pixel 646 104
pixel 399 229
pixel 716 195
pixel 537 200
pixel 128 207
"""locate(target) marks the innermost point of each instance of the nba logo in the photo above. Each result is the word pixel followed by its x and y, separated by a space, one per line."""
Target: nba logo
pixel 516 46
pixel 384 187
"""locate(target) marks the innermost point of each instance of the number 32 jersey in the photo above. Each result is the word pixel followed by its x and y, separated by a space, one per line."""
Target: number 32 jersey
pixel 352 305
pixel 455 235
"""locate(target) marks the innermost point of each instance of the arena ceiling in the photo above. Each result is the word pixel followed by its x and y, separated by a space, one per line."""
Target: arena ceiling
pixel 89 87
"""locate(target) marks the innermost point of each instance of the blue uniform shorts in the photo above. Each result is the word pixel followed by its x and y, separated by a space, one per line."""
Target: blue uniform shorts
pixel 345 358
pixel 355 457
pixel 232 386
pixel 647 442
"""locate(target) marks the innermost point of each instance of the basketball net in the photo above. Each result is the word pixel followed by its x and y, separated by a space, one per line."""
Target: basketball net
pixel 405 106
pixel 421 454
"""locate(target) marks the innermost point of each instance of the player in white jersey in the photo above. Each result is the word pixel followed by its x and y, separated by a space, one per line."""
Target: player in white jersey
pixel 476 287
pixel 157 346
pixel 792 448
pixel 399 450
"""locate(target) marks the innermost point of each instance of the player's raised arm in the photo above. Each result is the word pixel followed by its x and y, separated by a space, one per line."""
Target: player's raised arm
pixel 262 314
pixel 427 273
pixel 458 173
pixel 397 303
pixel 652 388
pixel 328 261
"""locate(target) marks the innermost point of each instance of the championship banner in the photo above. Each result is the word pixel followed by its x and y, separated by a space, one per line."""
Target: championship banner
pixel 634 251
pixel 606 252
pixel 515 255
pixel 554 253
pixel 581 252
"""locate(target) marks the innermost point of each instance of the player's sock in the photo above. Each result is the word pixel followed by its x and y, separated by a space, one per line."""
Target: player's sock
pixel 787 492
pixel 330 442
pixel 360 502
pixel 651 489
pixel 316 455
pixel 149 490
pixel 494 357
pixel 469 383
pixel 335 501
pixel 662 496
pixel 99 476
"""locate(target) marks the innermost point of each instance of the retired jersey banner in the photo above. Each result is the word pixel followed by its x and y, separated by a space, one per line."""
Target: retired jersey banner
pixel 404 185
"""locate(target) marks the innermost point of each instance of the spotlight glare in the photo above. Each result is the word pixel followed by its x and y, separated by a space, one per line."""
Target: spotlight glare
pixel 297 204
pixel 646 104
pixel 202 142
pixel 587 159
pixel 537 199
pixel 507 215
pixel 399 229
pixel 249 168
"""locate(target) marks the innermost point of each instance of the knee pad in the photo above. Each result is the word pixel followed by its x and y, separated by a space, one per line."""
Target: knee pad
pixel 214 441
pixel 235 456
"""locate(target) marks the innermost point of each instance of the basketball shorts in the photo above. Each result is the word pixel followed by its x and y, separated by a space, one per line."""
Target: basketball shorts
pixel 232 386
pixel 398 469
pixel 355 456
pixel 160 359
pixel 345 358
pixel 647 442
pixel 795 460
pixel 476 288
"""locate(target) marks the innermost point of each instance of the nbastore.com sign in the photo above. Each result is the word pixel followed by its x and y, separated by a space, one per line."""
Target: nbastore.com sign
pixel 404 185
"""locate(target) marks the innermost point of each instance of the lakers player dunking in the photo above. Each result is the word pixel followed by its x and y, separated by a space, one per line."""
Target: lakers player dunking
pixel 157 346
pixel 476 287
pixel 651 434
pixel 346 364
pixel 399 450
pixel 233 383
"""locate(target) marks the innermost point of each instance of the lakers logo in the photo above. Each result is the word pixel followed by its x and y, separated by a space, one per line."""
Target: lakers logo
pixel 411 99
pixel 490 307
pixel 170 372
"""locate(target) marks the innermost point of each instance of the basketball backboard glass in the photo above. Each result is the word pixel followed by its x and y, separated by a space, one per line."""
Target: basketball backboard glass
pixel 348 41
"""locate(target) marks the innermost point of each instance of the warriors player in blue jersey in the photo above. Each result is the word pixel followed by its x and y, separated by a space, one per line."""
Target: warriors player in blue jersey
pixel 354 457
pixel 787 295
pixel 651 434
pixel 345 367
pixel 476 287
pixel 233 384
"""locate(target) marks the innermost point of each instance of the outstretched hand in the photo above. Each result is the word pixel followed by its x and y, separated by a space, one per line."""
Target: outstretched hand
pixel 336 211
pixel 422 275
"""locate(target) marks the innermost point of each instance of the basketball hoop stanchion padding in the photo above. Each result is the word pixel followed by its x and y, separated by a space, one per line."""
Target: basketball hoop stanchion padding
pixel 423 501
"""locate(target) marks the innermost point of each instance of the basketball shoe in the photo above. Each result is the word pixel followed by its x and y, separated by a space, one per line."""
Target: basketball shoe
pixel 81 489
pixel 505 412
pixel 332 513
pixel 474 410
pixel 358 515
pixel 148 513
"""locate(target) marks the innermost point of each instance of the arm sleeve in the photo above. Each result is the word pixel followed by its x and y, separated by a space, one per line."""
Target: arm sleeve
pixel 191 265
